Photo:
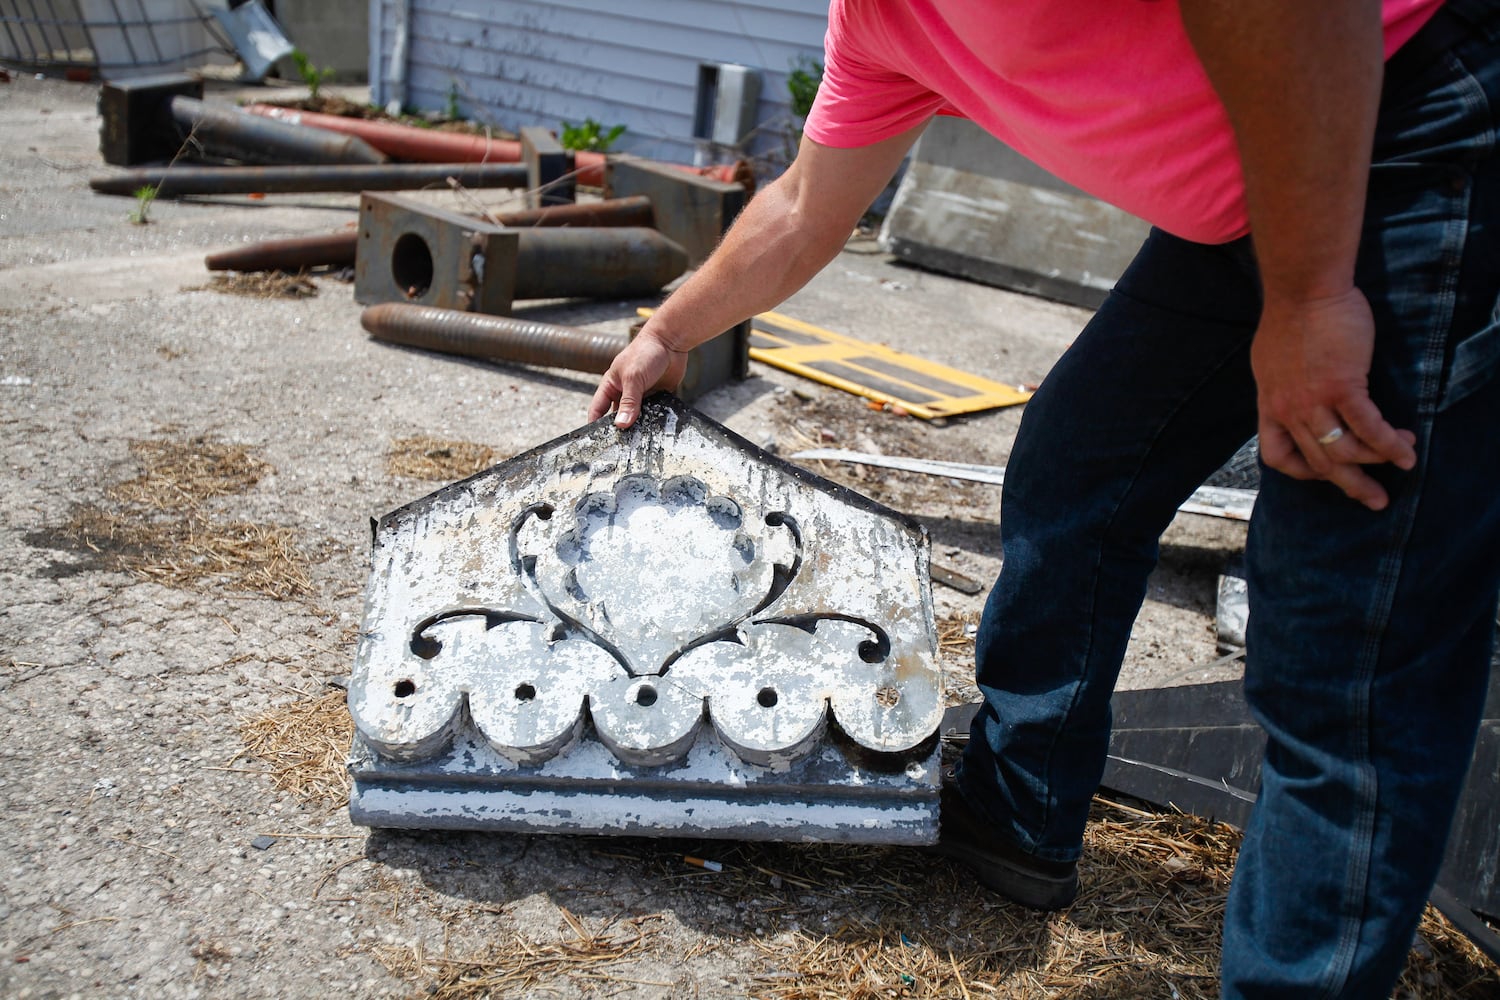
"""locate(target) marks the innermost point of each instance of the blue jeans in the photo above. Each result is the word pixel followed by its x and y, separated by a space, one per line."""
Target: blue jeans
pixel 1370 632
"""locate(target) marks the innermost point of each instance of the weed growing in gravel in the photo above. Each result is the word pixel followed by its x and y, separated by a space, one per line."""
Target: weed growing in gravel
pixel 144 196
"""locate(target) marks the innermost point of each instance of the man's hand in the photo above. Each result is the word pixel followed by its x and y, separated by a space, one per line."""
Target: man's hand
pixel 793 227
pixel 1311 364
pixel 646 365
pixel 1301 85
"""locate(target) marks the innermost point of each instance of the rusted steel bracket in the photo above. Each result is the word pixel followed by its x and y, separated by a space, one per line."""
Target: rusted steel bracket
pixel 415 253
pixel 549 169
pixel 420 254
pixel 693 211
pixel 135 118
pixel 623 633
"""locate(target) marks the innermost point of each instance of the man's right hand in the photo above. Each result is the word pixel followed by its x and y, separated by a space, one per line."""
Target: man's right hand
pixel 785 235
pixel 644 366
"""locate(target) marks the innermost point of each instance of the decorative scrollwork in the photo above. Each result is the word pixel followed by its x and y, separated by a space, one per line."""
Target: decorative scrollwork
pixel 651 592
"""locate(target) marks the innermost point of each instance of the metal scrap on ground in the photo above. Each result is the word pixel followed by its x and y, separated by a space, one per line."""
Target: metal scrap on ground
pixel 1215 501
pixel 526 662
pixel 922 388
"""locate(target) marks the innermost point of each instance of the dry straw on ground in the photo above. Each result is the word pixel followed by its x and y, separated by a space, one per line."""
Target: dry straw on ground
pixel 177 474
pixel 520 966
pixel 193 549
pixel 859 923
pixel 306 744
pixel 261 285
pixel 436 460
pixel 161 531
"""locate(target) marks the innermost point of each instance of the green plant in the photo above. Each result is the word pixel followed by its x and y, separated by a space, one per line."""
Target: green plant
pixel 802 83
pixel 144 196
pixel 452 108
pixel 311 75
pixel 591 136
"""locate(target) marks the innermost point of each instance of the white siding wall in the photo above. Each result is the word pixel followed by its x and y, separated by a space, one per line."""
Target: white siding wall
pixel 630 62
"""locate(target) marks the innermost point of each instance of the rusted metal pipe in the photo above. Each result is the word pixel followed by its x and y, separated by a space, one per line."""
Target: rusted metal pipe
pixel 227 131
pixel 294 254
pixel 477 335
pixel 611 212
pixel 404 142
pixel 178 180
pixel 338 249
pixel 594 263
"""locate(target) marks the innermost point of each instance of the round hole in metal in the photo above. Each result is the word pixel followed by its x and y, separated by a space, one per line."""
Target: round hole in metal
pixel 411 265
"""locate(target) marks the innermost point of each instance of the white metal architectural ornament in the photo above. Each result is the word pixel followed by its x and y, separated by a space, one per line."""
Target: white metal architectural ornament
pixel 664 630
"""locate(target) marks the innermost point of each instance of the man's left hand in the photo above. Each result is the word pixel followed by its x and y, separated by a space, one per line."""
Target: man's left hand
pixel 1317 421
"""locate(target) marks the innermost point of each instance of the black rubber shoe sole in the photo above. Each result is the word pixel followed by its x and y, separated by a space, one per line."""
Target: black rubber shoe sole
pixel 1000 866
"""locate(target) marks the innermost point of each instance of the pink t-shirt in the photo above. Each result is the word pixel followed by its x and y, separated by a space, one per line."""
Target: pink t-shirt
pixel 1106 94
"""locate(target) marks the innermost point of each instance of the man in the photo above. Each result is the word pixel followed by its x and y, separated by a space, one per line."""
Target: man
pixel 1359 335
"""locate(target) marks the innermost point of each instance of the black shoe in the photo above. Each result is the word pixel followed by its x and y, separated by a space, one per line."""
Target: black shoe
pixel 1000 865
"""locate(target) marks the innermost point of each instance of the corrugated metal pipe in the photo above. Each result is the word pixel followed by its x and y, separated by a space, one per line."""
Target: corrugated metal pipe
pixel 229 132
pixel 476 335
pixel 338 249
pixel 178 180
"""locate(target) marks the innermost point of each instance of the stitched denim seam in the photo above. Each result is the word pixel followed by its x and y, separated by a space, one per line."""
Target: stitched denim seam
pixel 1382 604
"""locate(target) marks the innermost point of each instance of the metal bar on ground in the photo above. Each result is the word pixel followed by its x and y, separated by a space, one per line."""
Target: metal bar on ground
pixel 1215 501
pixel 180 181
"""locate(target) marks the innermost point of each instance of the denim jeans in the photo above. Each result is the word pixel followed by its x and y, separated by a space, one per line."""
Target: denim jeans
pixel 1369 632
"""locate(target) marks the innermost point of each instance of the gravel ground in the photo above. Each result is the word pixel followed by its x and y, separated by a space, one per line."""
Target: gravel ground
pixel 133 864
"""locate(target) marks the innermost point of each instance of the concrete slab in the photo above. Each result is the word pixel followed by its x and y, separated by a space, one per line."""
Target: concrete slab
pixel 131 806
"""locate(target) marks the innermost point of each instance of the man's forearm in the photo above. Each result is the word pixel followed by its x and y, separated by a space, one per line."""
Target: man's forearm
pixel 783 238
pixel 1301 83
pixel 771 251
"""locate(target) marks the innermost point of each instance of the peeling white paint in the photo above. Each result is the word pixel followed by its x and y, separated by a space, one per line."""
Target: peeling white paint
pixel 631 593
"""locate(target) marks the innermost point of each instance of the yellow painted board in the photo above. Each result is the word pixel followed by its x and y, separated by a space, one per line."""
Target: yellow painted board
pixel 920 387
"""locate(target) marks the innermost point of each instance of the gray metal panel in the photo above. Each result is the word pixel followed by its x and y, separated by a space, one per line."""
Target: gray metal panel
pixel 971 206
pixel 515 62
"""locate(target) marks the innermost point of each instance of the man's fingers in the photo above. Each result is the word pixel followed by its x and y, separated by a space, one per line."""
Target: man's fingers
pixel 604 399
pixel 1358 485
pixel 1380 441
pixel 1289 455
pixel 628 409
pixel 1280 452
